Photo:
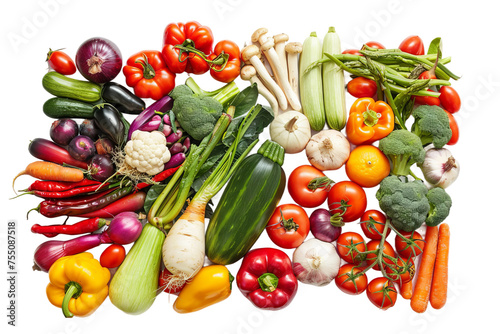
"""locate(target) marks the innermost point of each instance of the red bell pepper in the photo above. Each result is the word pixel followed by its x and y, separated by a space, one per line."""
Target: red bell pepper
pixel 182 44
pixel 266 278
pixel 148 74
pixel 226 61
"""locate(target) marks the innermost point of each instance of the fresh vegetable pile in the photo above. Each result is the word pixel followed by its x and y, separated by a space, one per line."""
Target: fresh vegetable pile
pixel 139 166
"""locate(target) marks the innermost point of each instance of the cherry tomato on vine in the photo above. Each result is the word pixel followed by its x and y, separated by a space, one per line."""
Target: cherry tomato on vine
pixel 372 224
pixel 375 45
pixel 409 248
pixel 382 293
pixel 403 271
pixel 288 226
pixel 61 62
pixel 455 133
pixel 387 249
pixel 347 199
pixel 362 87
pixel 298 187
pixel 413 45
pixel 450 100
pixel 350 280
pixel 349 245
pixel 112 256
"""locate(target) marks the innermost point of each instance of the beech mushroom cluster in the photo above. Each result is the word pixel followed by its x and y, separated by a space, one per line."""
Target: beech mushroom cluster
pixel 278 84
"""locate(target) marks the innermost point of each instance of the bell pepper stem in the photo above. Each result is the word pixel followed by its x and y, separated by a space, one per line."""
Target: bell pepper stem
pixel 147 69
pixel 72 290
pixel 268 282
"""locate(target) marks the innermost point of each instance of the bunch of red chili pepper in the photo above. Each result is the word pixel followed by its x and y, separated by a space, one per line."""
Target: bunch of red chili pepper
pixel 186 48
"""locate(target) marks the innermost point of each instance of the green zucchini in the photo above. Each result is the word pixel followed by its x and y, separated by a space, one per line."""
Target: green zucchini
pixel 61 107
pixel 247 203
pixel 63 86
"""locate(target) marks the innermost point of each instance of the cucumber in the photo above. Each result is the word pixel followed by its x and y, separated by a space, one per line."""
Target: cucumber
pixel 63 86
pixel 333 84
pixel 310 82
pixel 247 203
pixel 61 107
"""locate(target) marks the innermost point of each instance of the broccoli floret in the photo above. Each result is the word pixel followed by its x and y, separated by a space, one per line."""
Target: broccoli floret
pixel 180 90
pixel 432 125
pixel 403 149
pixel 404 203
pixel 440 204
pixel 196 114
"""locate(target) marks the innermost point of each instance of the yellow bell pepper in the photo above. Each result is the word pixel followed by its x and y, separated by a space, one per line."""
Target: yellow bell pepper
pixel 78 284
pixel 212 284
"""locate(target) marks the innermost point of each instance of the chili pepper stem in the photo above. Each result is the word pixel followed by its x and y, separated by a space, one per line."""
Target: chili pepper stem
pixel 72 290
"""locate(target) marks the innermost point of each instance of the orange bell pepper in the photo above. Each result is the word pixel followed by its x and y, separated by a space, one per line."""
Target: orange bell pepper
pixel 369 121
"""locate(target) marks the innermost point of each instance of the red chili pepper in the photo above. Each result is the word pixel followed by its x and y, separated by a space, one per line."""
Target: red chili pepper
pixel 159 177
pixel 266 278
pixel 59 186
pixel 84 226
pixel 95 188
pixel 82 199
pixel 49 208
pixel 132 202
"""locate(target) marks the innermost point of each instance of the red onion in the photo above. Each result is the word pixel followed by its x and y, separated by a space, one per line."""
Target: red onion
pixel 99 60
pixel 321 226
pixel 125 228
pixel 101 167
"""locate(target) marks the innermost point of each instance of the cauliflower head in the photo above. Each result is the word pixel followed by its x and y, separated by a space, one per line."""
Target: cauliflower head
pixel 147 151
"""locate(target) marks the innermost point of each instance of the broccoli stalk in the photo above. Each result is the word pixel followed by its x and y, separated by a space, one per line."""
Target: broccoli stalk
pixel 403 149
pixel 431 125
pixel 224 95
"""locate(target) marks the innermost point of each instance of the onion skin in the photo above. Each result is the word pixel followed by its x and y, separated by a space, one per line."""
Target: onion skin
pixel 316 262
pixel 63 130
pixel 101 167
pixel 99 60
pixel 82 148
pixel 322 228
pixel 124 229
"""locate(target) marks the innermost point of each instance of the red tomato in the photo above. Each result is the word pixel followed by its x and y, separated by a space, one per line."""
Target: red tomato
pixel 288 226
pixel 403 271
pixel 166 284
pixel 412 247
pixel 349 245
pixel 372 224
pixel 298 183
pixel 347 199
pixel 450 100
pixel 382 293
pixel 112 256
pixel 362 87
pixel 413 45
pixel 427 75
pixel 61 62
pixel 454 129
pixel 352 52
pixel 375 45
pixel 350 280
pixel 374 245
pixel 427 100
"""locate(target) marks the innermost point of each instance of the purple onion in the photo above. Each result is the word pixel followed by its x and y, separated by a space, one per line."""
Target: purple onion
pixel 104 146
pixel 186 144
pixel 166 119
pixel 81 148
pixel 90 129
pixel 152 124
pixel 175 160
pixel 124 229
pixel 162 105
pixel 173 137
pixel 99 60
pixel 63 130
pixel 322 228
pixel 167 130
pixel 101 167
pixel 176 148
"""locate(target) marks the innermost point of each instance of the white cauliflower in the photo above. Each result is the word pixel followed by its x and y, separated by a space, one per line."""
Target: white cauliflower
pixel 147 151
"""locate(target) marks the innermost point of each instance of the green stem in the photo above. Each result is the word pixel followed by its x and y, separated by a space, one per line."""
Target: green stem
pixel 148 71
pixel 72 290
pixel 268 282
pixel 224 94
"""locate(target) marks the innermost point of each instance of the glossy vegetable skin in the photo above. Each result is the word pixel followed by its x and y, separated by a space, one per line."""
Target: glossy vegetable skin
pixel 300 187
pixel 288 226
pixel 351 280
pixel 112 256
pixel 211 285
pixel 47 150
pixel 62 107
pixel 60 62
pixel 413 45
pixel 123 99
pixel 382 293
pixel 109 120
pixel 362 87
pixel 348 200
pixel 237 222
pixel 62 86
pixel 266 278
pixel 230 53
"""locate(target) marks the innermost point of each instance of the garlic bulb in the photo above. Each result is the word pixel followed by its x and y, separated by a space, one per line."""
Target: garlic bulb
pixel 291 130
pixel 316 262
pixel 440 168
pixel 328 150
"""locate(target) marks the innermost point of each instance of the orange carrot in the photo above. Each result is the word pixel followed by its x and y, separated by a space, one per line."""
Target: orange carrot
pixel 406 290
pixel 50 171
pixel 439 288
pixel 420 297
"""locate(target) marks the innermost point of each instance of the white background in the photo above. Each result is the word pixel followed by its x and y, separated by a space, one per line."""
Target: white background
pixel 468 31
